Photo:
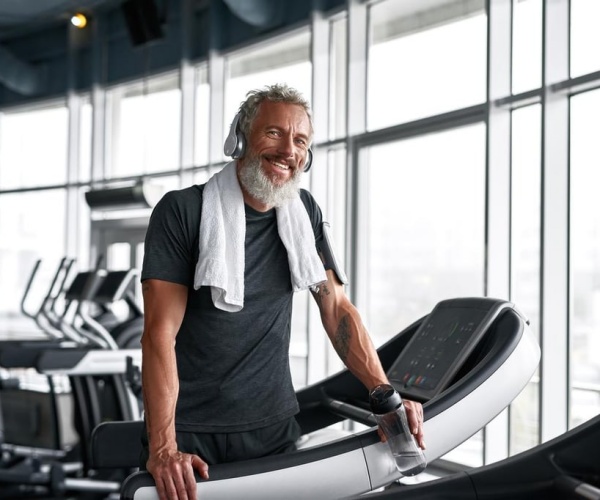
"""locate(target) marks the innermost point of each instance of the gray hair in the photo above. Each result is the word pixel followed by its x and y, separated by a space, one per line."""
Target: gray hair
pixel 273 93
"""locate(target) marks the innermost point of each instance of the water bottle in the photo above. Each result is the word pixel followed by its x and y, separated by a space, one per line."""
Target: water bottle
pixel 386 405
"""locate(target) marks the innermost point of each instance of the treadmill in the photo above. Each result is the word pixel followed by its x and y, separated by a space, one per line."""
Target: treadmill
pixel 465 361
pixel 566 467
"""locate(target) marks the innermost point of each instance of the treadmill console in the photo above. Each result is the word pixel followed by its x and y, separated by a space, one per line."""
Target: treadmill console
pixel 441 345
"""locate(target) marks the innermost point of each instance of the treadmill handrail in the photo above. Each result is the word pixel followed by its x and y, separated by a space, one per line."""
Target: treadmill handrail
pixel 263 465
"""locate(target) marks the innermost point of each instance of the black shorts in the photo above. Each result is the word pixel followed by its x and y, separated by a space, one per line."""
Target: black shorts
pixel 218 448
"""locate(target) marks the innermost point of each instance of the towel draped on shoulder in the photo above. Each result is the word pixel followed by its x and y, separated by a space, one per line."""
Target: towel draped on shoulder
pixel 221 261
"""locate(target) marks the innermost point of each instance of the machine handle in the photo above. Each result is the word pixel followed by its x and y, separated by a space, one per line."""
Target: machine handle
pixel 347 410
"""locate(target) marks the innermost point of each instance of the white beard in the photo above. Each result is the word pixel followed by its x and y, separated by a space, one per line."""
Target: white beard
pixel 259 186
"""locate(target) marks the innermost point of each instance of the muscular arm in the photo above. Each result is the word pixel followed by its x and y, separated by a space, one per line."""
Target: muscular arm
pixel 352 342
pixel 347 333
pixel 164 307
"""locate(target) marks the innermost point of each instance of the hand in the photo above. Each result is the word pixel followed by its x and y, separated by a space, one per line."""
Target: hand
pixel 414 415
pixel 173 473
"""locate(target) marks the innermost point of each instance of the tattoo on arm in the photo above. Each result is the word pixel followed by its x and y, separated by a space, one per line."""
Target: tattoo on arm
pixel 321 292
pixel 341 337
pixel 341 340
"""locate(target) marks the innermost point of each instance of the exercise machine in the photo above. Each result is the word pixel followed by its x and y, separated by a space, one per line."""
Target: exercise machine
pixel 465 361
pixel 566 467
pixel 99 375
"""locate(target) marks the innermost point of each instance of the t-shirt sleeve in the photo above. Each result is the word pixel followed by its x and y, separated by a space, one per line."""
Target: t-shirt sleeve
pixel 171 244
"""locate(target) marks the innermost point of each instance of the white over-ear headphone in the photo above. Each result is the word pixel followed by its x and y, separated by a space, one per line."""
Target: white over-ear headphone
pixel 235 144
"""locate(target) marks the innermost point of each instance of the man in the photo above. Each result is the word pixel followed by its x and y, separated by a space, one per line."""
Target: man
pixel 221 264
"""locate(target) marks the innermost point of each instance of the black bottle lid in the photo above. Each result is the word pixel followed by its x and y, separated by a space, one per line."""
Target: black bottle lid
pixel 384 399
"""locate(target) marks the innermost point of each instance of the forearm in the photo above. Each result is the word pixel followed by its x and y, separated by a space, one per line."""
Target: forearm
pixel 164 307
pixel 355 348
pixel 160 389
pixel 350 339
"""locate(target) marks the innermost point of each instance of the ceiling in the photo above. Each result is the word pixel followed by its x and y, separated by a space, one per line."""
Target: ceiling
pixel 25 21
pixel 20 17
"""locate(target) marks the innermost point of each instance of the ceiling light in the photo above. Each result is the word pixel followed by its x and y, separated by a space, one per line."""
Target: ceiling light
pixel 79 20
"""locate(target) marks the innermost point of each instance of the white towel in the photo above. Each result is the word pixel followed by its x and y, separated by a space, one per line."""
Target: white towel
pixel 222 253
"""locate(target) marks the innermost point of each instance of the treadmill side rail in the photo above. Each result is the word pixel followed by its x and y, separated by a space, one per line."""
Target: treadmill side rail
pixel 338 476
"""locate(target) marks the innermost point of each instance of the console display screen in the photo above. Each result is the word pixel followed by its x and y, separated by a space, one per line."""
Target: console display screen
pixel 438 348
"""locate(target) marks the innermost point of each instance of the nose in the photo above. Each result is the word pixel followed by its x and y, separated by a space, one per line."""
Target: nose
pixel 285 146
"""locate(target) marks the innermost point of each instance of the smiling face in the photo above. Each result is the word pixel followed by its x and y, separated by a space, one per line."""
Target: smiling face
pixel 271 170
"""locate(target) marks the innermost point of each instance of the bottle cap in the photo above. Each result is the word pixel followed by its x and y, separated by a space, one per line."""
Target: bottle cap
pixel 384 399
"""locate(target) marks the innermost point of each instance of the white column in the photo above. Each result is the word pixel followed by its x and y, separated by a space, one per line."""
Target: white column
pixel 555 230
pixel 498 188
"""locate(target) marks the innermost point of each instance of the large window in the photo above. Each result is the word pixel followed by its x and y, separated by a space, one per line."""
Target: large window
pixel 424 58
pixel 527 45
pixel 145 125
pixel 32 227
pixel 425 222
pixel 585 37
pixel 585 257
pixel 33 147
pixel 33 153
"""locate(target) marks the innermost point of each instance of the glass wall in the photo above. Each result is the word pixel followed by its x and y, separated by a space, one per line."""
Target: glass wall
pixel 526 45
pixel 33 147
pixel 425 222
pixel 33 153
pixel 32 227
pixel 585 37
pixel 424 58
pixel 144 127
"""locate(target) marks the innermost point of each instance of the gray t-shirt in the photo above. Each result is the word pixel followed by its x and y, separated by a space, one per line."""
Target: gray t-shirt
pixel 233 367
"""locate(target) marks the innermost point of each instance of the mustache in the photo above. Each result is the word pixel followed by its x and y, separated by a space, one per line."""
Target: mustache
pixel 279 159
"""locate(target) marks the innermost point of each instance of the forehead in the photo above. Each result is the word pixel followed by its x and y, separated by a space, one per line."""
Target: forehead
pixel 284 115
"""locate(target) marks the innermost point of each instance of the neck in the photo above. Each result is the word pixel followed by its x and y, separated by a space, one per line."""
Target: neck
pixel 254 203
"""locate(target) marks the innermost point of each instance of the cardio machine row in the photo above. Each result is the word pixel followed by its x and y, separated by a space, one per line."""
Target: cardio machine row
pixel 84 341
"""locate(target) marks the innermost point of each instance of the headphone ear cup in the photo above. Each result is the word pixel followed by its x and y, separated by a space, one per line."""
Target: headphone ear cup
pixel 309 160
pixel 235 143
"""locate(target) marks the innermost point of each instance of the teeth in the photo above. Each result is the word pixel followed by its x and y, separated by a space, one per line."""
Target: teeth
pixel 281 165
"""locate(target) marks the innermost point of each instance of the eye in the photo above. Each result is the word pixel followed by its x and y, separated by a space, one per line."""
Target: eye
pixel 301 142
